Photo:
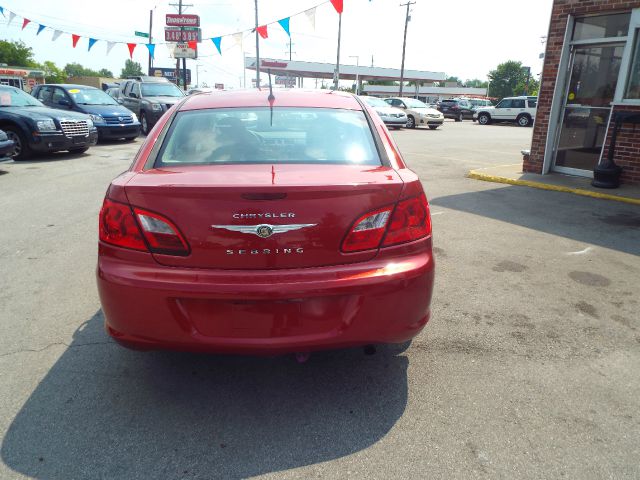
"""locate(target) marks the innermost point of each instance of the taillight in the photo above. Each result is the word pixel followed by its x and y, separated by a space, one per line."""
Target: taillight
pixel 367 231
pixel 161 235
pixel 410 221
pixel 119 226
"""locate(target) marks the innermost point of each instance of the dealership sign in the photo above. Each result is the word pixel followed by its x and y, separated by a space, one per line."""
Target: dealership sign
pixel 182 34
pixel 181 20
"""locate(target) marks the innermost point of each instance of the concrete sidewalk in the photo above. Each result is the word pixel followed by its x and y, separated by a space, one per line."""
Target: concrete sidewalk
pixel 512 174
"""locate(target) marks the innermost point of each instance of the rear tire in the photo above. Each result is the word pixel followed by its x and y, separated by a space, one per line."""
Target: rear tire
pixel 523 120
pixel 484 119
pixel 411 122
pixel 21 151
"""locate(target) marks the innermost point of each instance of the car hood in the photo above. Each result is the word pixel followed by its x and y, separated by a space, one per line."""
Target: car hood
pixel 106 110
pixel 169 100
pixel 39 113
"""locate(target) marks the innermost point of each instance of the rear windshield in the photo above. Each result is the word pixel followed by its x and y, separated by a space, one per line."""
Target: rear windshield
pixel 251 135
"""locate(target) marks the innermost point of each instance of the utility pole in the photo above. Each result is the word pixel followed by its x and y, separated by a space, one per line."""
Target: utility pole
pixel 336 75
pixel 150 40
pixel 404 42
pixel 184 60
pixel 257 48
pixel 357 73
pixel 290 44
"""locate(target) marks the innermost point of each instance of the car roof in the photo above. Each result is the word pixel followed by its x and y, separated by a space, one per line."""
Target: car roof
pixel 283 98
pixel 67 85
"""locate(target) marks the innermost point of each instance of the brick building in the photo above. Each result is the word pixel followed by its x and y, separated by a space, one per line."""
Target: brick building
pixel 591 73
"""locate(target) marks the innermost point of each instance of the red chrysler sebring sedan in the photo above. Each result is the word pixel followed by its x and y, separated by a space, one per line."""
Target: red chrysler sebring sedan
pixel 262 225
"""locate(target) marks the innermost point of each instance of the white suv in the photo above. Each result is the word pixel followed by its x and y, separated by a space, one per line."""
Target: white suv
pixel 521 110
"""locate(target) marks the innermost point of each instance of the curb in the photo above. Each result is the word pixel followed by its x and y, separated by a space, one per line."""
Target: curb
pixel 474 174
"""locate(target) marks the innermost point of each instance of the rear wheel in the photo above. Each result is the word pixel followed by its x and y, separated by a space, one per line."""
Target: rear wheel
pixel 484 119
pixel 524 120
pixel 411 122
pixel 21 151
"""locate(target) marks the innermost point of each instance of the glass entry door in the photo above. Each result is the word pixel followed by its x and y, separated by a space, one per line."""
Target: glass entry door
pixel 587 107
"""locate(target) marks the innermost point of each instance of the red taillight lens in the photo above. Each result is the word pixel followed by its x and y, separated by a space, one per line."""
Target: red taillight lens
pixel 410 221
pixel 161 235
pixel 367 231
pixel 119 227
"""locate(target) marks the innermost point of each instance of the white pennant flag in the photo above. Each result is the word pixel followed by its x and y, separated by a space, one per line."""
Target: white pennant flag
pixel 311 16
pixel 110 45
pixel 56 34
pixel 11 17
pixel 237 38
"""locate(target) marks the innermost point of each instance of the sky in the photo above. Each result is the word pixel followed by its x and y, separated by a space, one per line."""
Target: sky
pixel 463 38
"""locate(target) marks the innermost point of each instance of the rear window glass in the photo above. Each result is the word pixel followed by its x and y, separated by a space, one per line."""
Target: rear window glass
pixel 256 135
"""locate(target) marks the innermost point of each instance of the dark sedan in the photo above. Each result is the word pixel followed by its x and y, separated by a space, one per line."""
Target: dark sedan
pixel 36 128
pixel 112 120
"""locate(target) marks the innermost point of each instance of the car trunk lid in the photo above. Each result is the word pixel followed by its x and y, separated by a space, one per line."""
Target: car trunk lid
pixel 264 216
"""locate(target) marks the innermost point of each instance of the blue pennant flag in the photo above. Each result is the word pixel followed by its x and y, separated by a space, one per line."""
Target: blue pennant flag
pixel 2 11
pixel 91 42
pixel 217 41
pixel 284 23
pixel 40 28
pixel 152 48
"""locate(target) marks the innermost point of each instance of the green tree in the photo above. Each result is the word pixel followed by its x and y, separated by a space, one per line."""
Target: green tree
pixel 509 79
pixel 52 74
pixel 454 79
pixel 16 54
pixel 105 73
pixel 476 83
pixel 131 68
pixel 77 70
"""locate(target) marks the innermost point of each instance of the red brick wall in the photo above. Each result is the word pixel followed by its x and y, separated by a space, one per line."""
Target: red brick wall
pixel 627 152
pixel 557 27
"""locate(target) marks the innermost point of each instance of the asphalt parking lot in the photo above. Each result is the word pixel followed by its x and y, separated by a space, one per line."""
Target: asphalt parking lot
pixel 528 368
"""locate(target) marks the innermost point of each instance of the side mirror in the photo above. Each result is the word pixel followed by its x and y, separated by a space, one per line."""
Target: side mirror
pixel 133 95
pixel 64 102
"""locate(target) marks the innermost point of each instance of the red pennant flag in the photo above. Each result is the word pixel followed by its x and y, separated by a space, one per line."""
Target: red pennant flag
pixel 337 4
pixel 25 22
pixel 192 44
pixel 75 39
pixel 263 31
pixel 132 47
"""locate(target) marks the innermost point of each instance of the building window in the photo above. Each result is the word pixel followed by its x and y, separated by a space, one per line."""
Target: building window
pixel 632 91
pixel 602 26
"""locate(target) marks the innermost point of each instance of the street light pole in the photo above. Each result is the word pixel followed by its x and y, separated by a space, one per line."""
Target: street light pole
pixel 357 72
pixel 257 48
pixel 336 75
pixel 404 42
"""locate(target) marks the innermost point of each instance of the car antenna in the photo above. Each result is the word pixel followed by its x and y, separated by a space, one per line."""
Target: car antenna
pixel 271 98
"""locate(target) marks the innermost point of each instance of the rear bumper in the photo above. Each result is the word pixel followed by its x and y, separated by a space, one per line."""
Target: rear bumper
pixel 148 306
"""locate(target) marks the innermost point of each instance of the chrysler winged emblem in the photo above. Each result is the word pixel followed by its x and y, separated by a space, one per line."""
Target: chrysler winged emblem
pixel 264 230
